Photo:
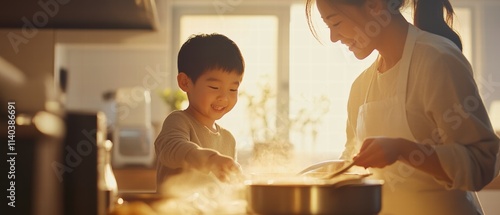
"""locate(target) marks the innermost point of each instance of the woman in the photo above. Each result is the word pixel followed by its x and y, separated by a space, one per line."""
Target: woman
pixel 414 116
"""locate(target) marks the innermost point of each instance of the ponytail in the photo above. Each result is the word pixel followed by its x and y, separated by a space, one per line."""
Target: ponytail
pixel 428 16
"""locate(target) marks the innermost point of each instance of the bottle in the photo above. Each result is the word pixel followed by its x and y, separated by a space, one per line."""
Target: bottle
pixel 107 181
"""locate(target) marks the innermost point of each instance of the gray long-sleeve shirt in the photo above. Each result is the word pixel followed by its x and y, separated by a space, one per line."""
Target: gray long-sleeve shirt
pixel 180 134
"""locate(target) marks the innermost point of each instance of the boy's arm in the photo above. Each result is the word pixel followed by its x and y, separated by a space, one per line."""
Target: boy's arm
pixel 174 150
pixel 199 158
pixel 172 144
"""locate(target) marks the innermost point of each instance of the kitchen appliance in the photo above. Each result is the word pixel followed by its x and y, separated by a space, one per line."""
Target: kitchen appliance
pixel 83 165
pixel 133 133
pixel 31 183
pixel 134 146
pixel 359 197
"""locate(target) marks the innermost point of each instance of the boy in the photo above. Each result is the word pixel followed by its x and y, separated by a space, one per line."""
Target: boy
pixel 210 71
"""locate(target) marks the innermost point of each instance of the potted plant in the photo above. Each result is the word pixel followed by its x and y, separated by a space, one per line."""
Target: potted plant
pixel 173 98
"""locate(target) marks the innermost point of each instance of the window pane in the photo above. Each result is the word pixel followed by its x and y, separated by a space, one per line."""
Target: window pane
pixel 320 80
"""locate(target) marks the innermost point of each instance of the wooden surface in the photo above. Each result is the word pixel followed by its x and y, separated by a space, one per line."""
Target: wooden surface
pixel 136 179
pixel 495 184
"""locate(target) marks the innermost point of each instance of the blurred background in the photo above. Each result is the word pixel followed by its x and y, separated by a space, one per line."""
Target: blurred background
pixel 75 58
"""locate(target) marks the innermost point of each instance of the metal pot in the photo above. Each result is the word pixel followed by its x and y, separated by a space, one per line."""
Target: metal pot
pixel 361 198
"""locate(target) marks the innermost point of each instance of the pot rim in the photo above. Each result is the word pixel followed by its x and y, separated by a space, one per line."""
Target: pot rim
pixel 360 183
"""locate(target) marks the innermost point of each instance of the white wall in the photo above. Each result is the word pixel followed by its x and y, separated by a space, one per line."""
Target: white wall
pixel 94 70
pixel 101 60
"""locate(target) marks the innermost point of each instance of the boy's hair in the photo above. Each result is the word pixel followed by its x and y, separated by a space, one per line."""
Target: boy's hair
pixel 204 52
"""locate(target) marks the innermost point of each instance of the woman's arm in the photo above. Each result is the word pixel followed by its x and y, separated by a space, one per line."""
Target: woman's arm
pixel 379 152
pixel 462 148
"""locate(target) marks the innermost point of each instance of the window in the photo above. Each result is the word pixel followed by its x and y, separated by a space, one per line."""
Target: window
pixel 309 81
pixel 320 79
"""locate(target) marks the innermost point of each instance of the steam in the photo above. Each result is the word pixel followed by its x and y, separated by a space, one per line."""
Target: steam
pixel 193 192
pixel 272 158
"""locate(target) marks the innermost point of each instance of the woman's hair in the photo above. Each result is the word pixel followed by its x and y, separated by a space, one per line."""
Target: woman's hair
pixel 203 52
pixel 427 15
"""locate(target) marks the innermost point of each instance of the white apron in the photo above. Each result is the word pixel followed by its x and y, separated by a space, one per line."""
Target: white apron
pixel 407 191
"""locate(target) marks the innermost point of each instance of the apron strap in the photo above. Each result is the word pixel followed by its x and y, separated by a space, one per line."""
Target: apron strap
pixel 404 67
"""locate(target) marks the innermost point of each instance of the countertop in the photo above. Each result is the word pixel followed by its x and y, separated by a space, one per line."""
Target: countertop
pixel 495 184
pixel 136 179
pixel 137 185
pixel 139 179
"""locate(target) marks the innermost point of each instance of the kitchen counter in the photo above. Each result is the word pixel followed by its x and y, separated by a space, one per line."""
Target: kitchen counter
pixel 138 184
pixel 136 179
pixel 140 179
pixel 495 184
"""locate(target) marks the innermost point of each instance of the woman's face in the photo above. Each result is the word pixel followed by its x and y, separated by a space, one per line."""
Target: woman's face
pixel 352 25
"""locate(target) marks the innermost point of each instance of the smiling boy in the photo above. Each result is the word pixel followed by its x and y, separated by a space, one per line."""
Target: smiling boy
pixel 210 70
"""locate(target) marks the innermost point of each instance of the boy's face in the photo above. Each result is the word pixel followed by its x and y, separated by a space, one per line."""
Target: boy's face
pixel 214 94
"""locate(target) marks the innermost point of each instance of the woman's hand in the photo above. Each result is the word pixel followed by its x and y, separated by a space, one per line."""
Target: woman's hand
pixel 380 151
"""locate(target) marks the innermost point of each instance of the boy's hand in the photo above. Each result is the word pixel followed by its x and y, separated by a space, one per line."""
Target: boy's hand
pixel 224 167
pixel 207 160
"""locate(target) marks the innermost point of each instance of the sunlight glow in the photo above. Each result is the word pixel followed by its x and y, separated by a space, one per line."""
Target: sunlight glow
pixel 321 74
